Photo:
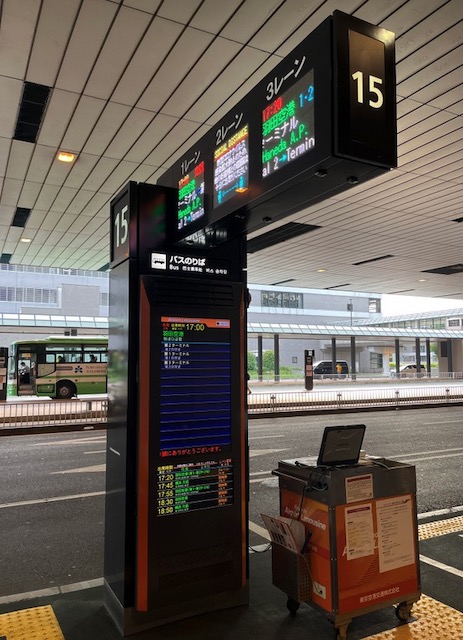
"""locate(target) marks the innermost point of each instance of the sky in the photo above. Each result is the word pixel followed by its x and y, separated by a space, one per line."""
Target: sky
pixel 399 305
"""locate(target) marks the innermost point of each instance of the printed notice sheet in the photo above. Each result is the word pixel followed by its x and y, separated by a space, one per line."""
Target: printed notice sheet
pixel 396 536
pixel 360 539
pixel 359 488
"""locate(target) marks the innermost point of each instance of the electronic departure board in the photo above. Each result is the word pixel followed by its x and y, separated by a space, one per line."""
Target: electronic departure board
pixel 191 197
pixel 231 166
pixel 288 126
pixel 191 486
pixel 327 110
pixel 195 395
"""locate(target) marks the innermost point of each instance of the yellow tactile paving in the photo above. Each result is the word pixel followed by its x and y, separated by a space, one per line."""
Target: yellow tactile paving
pixel 38 623
pixel 440 528
pixel 434 621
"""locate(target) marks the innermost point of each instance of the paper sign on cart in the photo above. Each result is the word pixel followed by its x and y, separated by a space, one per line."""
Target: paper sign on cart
pixel 287 532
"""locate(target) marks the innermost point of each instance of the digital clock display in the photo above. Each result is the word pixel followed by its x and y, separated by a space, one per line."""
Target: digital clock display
pixel 195 386
pixel 231 166
pixel 288 126
pixel 191 197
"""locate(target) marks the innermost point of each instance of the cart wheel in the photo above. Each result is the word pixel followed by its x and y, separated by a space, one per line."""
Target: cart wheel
pixel 403 611
pixel 293 605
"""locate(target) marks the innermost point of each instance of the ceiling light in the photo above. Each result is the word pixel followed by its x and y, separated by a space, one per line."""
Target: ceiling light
pixel 65 156
pixel 25 240
pixel 320 270
pixel 422 280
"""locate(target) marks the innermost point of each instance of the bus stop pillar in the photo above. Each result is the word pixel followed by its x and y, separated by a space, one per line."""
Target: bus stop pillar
pixel 333 356
pixel 260 365
pixel 397 357
pixel 276 352
pixel 418 358
pixel 450 357
pixel 353 369
pixel 428 357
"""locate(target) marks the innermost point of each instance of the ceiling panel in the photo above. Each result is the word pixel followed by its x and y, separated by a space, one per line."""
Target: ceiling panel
pixel 10 94
pixel 10 191
pixel 17 17
pixel 88 36
pixel 138 82
pixel 83 120
pixel 133 128
pixel 5 146
pixel 60 109
pixel 109 123
pixel 179 10
pixel 218 55
pixel 126 31
pixel 55 23
pixel 152 49
pixel 174 68
pixel 41 161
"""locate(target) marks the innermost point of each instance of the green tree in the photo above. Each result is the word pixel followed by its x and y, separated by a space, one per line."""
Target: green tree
pixel 268 361
pixel 252 362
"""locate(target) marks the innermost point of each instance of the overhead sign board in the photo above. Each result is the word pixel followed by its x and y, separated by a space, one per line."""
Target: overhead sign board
pixel 327 110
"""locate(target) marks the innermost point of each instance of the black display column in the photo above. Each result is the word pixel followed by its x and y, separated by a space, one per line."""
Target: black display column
pixel 177 459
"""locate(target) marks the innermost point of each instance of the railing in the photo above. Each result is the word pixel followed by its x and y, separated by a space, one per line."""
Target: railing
pixel 40 413
pixel 74 413
pixel 262 403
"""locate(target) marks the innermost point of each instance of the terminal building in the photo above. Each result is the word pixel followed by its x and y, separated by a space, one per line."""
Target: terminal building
pixel 281 319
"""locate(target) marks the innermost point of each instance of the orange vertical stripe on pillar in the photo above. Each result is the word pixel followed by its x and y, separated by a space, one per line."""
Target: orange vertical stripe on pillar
pixel 143 453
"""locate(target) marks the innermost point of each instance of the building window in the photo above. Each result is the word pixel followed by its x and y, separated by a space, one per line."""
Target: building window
pixel 282 299
pixel 374 305
pixel 454 322
pixel 376 361
pixel 104 298
pixel 294 359
pixel 19 294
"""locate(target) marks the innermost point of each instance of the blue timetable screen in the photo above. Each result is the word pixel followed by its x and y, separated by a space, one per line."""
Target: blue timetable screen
pixel 195 386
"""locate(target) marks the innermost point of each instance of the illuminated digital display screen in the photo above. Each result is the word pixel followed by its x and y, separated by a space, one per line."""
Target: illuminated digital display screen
pixel 194 485
pixel 288 126
pixel 191 197
pixel 231 166
pixel 195 386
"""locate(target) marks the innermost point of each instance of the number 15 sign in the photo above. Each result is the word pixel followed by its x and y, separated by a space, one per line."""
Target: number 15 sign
pixel 365 101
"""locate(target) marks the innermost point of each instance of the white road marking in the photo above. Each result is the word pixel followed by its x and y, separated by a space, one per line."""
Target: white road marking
pixel 83 440
pixel 441 565
pixel 425 453
pixel 263 452
pixel 87 453
pixel 25 503
pixel 262 437
pixel 92 469
pixel 52 591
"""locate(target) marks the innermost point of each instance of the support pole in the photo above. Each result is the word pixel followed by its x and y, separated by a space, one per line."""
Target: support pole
pixel 397 357
pixel 260 363
pixel 333 355
pixel 428 357
pixel 276 351
pixel 353 370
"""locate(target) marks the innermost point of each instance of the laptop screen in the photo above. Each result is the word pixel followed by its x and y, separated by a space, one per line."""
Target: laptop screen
pixel 341 445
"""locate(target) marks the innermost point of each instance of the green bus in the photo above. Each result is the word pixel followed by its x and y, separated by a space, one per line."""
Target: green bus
pixel 58 366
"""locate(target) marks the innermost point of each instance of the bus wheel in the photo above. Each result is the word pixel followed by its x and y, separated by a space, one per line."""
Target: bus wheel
pixel 65 390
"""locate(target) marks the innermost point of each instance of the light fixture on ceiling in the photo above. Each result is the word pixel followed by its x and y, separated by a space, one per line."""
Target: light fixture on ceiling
pixel 25 240
pixel 65 156
pixel 321 270
pixel 422 280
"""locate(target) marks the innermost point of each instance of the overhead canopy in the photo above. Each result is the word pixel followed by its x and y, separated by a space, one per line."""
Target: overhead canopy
pixel 130 85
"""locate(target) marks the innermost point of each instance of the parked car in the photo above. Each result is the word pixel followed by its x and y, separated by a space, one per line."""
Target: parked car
pixel 325 368
pixel 410 371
